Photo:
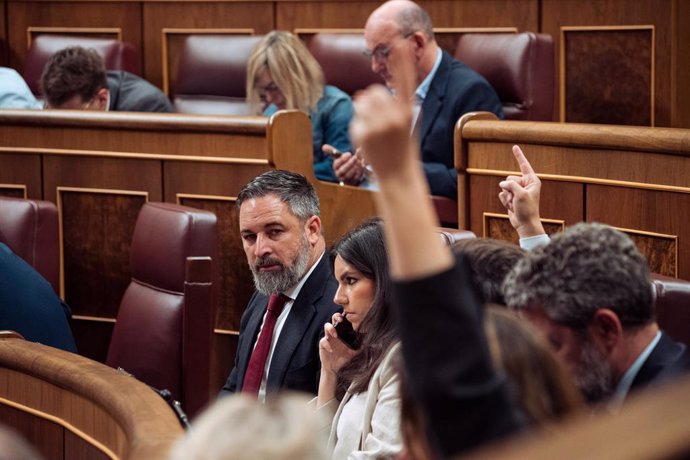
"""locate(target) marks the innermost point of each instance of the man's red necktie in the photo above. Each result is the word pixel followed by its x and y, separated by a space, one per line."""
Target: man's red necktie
pixel 257 362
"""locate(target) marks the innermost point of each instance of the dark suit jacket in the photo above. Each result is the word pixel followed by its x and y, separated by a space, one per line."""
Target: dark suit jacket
pixel 668 359
pixel 129 93
pixel 455 90
pixel 449 367
pixel 295 363
pixel 28 304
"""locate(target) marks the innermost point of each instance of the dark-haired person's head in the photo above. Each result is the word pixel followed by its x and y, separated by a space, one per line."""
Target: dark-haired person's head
pixel 589 292
pixel 75 79
pixel 491 260
pixel 280 229
pixel 360 266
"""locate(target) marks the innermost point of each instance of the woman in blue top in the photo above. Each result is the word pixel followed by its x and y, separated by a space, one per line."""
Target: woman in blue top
pixel 282 74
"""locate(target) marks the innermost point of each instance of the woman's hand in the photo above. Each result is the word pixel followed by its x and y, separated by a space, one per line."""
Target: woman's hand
pixel 333 352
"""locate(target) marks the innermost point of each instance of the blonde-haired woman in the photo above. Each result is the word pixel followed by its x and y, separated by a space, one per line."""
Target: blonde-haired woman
pixel 282 74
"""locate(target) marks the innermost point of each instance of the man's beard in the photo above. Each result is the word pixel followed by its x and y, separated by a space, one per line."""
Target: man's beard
pixel 593 373
pixel 273 282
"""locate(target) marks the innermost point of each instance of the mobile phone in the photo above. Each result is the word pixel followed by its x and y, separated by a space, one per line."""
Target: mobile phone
pixel 347 334
pixel 335 153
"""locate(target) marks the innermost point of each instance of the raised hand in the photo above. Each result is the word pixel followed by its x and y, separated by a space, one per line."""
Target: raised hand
pixel 349 168
pixel 520 195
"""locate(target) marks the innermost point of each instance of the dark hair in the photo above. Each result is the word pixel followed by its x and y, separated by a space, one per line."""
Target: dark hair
pixel 70 72
pixel 543 387
pixel 364 249
pixel 412 19
pixel 585 268
pixel 292 188
pixel 490 260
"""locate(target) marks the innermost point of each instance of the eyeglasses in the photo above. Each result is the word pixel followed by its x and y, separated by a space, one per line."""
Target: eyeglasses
pixel 381 52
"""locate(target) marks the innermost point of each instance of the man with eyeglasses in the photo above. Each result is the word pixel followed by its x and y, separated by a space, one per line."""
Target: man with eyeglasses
pixel 75 78
pixel 446 89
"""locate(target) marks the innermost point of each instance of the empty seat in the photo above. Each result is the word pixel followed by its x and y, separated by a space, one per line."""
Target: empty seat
pixel 342 59
pixel 672 303
pixel 211 74
pixel 117 55
pixel 520 67
pixel 30 229
pixel 165 322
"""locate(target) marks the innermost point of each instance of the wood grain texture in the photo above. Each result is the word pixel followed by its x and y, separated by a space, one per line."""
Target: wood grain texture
pixel 47 437
pixel 114 411
pixel 659 13
pixel 24 170
pixel 595 64
pixel 4 48
pixel 24 14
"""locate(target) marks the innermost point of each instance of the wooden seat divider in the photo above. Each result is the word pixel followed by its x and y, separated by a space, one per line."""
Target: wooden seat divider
pixel 634 178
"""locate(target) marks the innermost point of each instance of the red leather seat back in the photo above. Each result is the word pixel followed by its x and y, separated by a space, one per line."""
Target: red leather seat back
pixel 30 229
pixel 150 335
pixel 672 303
pixel 211 74
pixel 116 54
pixel 520 67
pixel 342 59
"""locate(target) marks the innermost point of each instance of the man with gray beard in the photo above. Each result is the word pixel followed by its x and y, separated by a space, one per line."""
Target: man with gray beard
pixel 283 323
pixel 589 291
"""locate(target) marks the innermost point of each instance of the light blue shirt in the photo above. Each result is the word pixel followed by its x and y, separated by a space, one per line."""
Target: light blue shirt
pixel 423 87
pixel 14 92
pixel 624 385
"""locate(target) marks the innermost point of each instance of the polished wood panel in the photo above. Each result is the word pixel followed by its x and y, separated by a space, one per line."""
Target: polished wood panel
pixel 594 62
pixel 158 16
pixel 223 352
pixel 25 14
pixel 656 221
pixel 22 171
pixel 96 228
pixel 635 179
pixel 4 49
pixel 522 14
pixel 104 411
pixel 667 19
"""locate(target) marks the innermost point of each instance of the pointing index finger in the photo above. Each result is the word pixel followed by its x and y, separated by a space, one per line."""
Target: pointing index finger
pixel 525 167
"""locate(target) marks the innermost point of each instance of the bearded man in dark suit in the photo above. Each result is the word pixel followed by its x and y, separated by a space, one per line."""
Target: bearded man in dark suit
pixel 285 249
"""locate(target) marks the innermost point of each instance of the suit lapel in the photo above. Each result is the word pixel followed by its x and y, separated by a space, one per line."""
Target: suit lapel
pixel 257 306
pixel 301 315
pixel 434 98
pixel 664 355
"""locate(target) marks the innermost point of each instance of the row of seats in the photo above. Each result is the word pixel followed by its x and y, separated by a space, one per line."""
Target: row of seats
pixel 212 68
pixel 172 288
pixel 172 262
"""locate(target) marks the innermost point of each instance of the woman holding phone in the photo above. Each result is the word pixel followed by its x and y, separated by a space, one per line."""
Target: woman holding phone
pixel 282 74
pixel 359 383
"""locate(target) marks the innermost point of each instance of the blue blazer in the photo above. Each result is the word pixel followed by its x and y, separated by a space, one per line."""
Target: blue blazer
pixel 455 90
pixel 295 363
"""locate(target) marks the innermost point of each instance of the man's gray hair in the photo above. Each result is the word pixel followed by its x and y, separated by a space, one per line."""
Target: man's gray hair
pixel 413 19
pixel 292 188
pixel 585 268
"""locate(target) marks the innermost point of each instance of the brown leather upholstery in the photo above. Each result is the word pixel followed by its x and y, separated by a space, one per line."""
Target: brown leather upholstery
pixel 165 322
pixel 520 67
pixel 342 59
pixel 116 54
pixel 211 74
pixel 30 229
pixel 672 303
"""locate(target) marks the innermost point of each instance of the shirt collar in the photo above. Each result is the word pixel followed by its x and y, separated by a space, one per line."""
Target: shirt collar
pixel 293 292
pixel 626 382
pixel 423 87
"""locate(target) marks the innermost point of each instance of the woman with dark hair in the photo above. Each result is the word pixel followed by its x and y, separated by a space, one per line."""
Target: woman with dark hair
pixel 359 383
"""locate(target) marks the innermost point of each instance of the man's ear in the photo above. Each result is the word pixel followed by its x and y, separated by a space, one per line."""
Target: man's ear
pixel 419 40
pixel 102 99
pixel 605 328
pixel 313 229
